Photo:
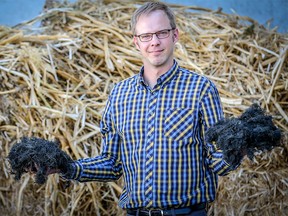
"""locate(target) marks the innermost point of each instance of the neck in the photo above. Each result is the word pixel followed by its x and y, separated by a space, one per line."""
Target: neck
pixel 151 74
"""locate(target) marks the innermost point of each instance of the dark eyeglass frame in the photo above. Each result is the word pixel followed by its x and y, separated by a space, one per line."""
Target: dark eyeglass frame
pixel 158 35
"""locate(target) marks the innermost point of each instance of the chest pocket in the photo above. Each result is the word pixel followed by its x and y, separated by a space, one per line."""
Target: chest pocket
pixel 178 123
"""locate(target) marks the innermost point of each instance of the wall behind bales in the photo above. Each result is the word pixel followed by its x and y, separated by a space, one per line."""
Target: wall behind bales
pixel 55 80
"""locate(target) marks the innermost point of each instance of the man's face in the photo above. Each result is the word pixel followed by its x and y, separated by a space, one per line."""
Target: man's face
pixel 156 52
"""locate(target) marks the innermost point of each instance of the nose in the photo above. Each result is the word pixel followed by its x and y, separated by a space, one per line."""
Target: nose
pixel 155 40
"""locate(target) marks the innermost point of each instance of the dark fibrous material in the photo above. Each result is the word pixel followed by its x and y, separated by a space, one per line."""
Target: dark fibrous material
pixel 37 155
pixel 253 131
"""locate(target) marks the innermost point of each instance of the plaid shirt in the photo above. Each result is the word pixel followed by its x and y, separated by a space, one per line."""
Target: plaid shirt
pixel 155 138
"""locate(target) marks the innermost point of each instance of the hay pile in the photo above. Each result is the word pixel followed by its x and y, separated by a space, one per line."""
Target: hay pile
pixel 55 79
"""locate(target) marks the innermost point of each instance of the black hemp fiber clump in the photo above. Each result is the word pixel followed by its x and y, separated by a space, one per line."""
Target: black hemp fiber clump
pixel 37 155
pixel 253 131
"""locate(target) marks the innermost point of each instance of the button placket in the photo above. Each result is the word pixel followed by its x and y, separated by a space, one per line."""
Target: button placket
pixel 150 148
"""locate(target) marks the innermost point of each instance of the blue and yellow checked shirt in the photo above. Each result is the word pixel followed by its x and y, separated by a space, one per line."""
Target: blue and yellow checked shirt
pixel 154 137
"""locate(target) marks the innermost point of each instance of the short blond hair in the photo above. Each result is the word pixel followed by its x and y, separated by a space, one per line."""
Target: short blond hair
pixel 148 8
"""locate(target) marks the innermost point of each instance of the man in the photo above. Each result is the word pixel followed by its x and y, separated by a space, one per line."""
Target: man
pixel 153 128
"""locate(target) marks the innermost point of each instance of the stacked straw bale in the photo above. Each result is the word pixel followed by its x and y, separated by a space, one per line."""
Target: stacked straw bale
pixel 55 80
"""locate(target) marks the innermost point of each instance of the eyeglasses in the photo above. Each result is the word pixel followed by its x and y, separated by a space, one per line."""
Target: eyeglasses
pixel 160 35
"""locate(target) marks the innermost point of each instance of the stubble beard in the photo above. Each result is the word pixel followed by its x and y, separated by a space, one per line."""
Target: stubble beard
pixel 158 61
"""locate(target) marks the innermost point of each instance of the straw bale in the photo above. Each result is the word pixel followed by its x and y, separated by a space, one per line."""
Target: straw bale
pixel 55 80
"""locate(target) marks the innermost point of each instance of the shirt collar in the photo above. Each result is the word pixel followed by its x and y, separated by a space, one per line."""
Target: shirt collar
pixel 163 79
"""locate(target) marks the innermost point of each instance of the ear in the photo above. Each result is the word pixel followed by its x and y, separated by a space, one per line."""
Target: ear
pixel 136 42
pixel 175 35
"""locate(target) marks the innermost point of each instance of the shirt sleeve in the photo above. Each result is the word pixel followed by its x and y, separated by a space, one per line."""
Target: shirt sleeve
pixel 211 113
pixel 107 166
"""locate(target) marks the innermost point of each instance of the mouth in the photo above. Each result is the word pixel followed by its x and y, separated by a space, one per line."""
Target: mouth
pixel 156 52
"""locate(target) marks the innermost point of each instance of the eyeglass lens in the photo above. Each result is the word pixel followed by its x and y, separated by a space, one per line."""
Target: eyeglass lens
pixel 160 35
